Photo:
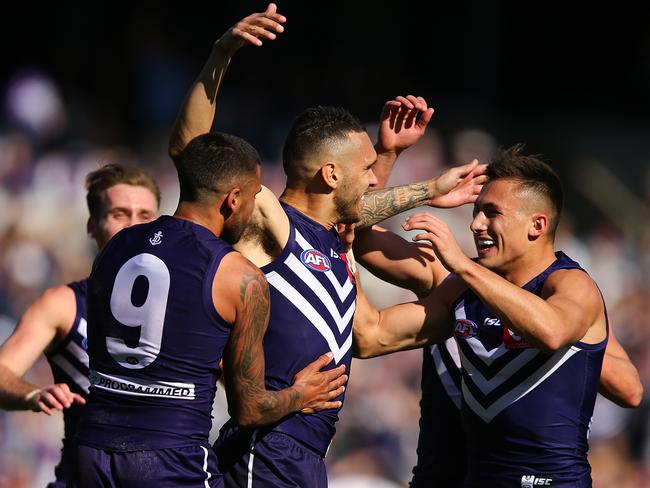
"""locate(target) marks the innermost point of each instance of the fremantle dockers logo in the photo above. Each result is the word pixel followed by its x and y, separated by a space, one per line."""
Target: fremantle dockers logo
pixel 465 329
pixel 315 260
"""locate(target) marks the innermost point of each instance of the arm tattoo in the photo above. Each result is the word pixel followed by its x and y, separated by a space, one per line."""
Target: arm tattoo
pixel 381 204
pixel 244 360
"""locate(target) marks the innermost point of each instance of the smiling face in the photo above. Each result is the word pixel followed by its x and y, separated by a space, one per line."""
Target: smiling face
pixel 506 223
pixel 356 158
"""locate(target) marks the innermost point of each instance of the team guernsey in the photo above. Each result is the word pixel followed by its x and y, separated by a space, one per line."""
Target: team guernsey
pixel 440 463
pixel 155 339
pixel 526 413
pixel 313 299
pixel 69 364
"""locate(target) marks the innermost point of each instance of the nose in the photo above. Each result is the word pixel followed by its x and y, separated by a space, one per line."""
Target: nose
pixel 373 179
pixel 479 223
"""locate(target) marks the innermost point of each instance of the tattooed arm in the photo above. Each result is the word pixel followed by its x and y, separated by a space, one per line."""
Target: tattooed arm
pixel 453 188
pixel 241 296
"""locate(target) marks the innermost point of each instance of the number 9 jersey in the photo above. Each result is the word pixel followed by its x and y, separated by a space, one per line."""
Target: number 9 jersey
pixel 154 338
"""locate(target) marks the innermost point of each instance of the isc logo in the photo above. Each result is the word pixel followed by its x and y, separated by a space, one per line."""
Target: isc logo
pixel 531 481
pixel 465 328
pixel 315 260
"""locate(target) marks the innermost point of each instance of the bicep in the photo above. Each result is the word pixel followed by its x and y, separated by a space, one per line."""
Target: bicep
pixel 46 321
pixel 578 305
pixel 247 291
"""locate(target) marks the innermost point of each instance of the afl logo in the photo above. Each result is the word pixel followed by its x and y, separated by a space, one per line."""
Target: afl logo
pixel 315 260
pixel 465 328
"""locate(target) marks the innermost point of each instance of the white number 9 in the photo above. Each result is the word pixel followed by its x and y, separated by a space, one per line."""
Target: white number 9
pixel 150 316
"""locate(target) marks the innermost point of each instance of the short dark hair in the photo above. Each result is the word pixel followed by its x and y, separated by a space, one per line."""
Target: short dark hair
pixel 532 173
pixel 211 163
pixel 100 180
pixel 312 129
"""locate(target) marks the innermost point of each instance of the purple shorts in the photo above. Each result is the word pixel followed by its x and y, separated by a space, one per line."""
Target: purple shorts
pixel 193 466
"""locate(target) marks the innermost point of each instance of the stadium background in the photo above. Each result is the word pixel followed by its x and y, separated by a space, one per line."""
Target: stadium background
pixel 88 84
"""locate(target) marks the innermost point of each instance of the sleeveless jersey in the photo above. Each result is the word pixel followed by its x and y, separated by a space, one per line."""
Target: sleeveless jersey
pixel 313 299
pixel 69 364
pixel 440 463
pixel 155 338
pixel 526 413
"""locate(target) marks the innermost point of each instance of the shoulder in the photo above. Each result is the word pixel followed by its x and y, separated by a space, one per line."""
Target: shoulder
pixel 236 280
pixel 53 312
pixel 575 282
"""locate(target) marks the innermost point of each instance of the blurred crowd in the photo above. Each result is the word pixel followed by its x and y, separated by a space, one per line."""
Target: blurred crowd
pixel 43 242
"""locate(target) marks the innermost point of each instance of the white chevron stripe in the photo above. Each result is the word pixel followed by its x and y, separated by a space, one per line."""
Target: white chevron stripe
pixel 82 327
pixel 445 378
pixel 72 372
pixel 78 352
pixel 291 294
pixel 312 282
pixel 477 346
pixel 521 390
pixel 342 290
pixel 485 385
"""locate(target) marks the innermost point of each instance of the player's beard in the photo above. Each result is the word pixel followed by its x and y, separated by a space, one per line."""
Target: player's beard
pixel 347 204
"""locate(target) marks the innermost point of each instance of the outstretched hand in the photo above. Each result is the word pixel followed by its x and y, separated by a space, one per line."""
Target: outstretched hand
pixel 402 123
pixel 320 388
pixel 53 397
pixel 459 185
pixel 437 232
pixel 253 30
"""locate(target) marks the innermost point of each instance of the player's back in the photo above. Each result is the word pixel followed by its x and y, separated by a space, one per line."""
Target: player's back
pixel 155 338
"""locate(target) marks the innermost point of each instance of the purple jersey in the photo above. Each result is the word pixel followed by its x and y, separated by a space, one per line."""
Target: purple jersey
pixel 526 413
pixel 69 363
pixel 313 298
pixel 155 338
pixel 440 463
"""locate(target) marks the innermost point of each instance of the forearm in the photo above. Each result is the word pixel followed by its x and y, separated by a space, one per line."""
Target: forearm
pixel 14 392
pixel 384 165
pixel 198 110
pixel 382 204
pixel 619 379
pixel 525 313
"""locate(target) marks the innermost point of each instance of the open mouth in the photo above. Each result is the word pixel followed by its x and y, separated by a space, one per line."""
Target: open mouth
pixel 484 245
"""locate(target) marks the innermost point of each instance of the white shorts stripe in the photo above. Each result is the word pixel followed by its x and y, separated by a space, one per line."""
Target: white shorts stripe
pixel 205 467
pixel 251 458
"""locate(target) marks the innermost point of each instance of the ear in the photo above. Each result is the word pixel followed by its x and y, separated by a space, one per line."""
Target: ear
pixel 538 225
pixel 330 173
pixel 91 228
pixel 233 199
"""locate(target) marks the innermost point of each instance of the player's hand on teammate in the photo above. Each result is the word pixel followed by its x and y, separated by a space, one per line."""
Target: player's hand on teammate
pixel 437 232
pixel 459 185
pixel 53 397
pixel 253 30
pixel 402 123
pixel 318 387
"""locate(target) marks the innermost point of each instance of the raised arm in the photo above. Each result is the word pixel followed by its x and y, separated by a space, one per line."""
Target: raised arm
pixel 43 325
pixel 241 296
pixel 454 187
pixel 402 123
pixel 619 379
pixel 198 111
